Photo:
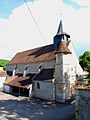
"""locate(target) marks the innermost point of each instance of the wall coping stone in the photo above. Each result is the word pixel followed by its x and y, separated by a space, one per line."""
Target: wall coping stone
pixel 82 87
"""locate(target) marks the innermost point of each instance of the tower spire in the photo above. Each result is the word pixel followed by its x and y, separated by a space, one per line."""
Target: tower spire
pixel 60 35
pixel 60 28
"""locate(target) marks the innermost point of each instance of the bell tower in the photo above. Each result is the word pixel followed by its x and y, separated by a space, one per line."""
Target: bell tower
pixel 62 80
pixel 60 35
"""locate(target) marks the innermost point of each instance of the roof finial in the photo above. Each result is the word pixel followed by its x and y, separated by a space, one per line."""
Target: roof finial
pixel 60 28
pixel 61 16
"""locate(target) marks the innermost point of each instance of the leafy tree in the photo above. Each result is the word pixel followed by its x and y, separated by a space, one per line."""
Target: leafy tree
pixel 3 63
pixel 85 60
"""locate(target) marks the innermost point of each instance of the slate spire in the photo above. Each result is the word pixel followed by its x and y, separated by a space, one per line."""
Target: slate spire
pixel 60 35
pixel 60 28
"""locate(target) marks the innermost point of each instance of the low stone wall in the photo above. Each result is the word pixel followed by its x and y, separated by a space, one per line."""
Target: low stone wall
pixel 82 103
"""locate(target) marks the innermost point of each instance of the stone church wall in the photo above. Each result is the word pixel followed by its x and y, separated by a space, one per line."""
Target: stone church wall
pixel 33 67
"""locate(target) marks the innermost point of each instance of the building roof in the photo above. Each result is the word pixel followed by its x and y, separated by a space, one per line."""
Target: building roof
pixel 20 81
pixel 45 53
pixel 63 48
pixel 45 75
pixel 40 54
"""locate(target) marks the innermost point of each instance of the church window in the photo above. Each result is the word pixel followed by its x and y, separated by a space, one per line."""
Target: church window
pixel 38 85
pixel 10 73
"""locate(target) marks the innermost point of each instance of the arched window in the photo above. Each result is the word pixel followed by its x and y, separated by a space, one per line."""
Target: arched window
pixel 15 70
pixel 25 71
pixel 40 67
pixel 26 68
pixel 38 85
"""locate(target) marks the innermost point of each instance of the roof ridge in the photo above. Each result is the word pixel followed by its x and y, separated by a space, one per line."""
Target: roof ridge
pixel 40 54
pixel 35 48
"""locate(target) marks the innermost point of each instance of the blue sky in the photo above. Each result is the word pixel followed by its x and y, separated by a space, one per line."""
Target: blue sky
pixel 7 6
pixel 17 25
pixel 74 4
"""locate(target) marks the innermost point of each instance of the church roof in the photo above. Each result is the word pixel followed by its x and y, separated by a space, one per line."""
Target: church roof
pixel 45 75
pixel 63 48
pixel 40 54
pixel 20 81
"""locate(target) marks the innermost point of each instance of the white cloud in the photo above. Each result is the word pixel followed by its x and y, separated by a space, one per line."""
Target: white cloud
pixel 83 2
pixel 19 32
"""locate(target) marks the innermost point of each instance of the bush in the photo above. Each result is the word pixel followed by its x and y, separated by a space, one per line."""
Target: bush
pixel 3 63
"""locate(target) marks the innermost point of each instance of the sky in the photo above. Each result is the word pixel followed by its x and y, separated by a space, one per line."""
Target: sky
pixel 18 31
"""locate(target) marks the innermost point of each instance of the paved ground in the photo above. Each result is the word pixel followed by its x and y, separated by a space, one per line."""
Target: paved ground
pixel 20 108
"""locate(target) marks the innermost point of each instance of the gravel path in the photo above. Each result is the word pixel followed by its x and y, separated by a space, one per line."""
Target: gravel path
pixel 21 108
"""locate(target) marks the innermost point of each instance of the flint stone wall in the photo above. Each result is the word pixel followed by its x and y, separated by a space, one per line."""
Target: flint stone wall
pixel 82 104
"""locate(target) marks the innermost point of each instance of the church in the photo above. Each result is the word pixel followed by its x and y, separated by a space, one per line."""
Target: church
pixel 49 72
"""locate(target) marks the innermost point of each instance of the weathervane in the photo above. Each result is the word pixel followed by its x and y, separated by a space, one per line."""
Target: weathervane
pixel 61 16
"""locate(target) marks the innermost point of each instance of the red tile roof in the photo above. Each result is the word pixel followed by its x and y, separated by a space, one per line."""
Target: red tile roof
pixel 19 81
pixel 63 48
pixel 45 53
pixel 40 54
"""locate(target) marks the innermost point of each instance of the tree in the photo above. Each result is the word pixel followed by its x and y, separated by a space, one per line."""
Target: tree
pixel 3 63
pixel 84 61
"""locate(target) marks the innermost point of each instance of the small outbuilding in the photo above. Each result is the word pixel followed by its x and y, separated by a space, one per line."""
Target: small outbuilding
pixel 18 84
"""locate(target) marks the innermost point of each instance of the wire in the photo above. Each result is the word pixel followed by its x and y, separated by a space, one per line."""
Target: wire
pixel 36 24
pixel 35 21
